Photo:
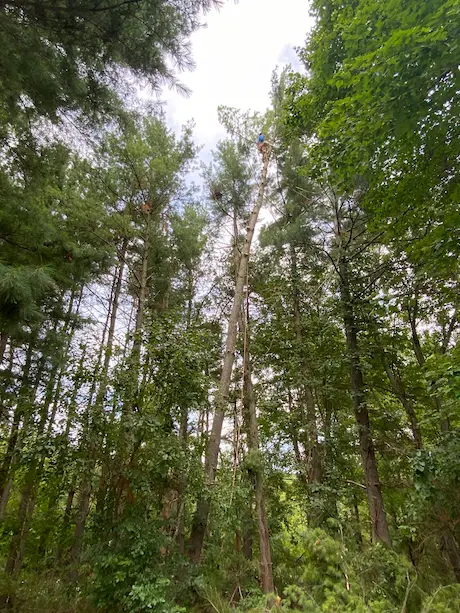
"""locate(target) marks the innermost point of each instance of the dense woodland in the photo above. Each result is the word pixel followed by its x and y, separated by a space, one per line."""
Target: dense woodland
pixel 242 394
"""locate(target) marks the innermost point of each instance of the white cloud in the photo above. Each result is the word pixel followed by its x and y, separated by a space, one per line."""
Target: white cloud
pixel 235 56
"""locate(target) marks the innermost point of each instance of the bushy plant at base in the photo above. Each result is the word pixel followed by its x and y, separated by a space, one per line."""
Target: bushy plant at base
pixel 130 573
pixel 40 593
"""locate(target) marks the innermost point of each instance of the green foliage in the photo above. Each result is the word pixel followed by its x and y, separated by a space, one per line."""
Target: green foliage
pixel 43 594
pixel 22 288
pixel 71 56
pixel 130 575
pixel 115 290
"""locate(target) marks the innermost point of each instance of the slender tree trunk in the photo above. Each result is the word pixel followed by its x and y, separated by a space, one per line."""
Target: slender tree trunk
pixel 133 393
pixel 379 522
pixel 190 294
pixel 113 309
pixel 183 434
pixel 90 437
pixel 19 413
pixel 113 312
pixel 60 467
pixel 266 569
pixel 142 298
pixel 34 473
pixel 8 378
pixel 200 521
pixel 313 456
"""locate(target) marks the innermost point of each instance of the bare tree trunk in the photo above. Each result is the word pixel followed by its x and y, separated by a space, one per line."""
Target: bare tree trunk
pixel 133 393
pixel 142 297
pixel 113 308
pixel 33 476
pixel 113 313
pixel 60 467
pixel 14 432
pixel 8 378
pixel 90 437
pixel 379 522
pixel 27 505
pixel 200 521
pixel 265 563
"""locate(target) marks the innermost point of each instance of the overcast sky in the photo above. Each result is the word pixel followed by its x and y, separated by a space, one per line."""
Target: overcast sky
pixel 235 56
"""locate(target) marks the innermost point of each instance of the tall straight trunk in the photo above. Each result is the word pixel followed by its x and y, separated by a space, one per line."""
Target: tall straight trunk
pixel 265 562
pixel 34 473
pixel 15 426
pixel 379 522
pixel 179 534
pixel 133 395
pixel 190 294
pixel 8 379
pixel 132 392
pixel 113 309
pixel 142 298
pixel 90 440
pixel 11 462
pixel 26 508
pixel 84 500
pixel 200 520
pixel 113 313
pixel 60 466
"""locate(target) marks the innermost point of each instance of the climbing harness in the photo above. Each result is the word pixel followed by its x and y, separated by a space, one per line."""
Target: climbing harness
pixel 262 145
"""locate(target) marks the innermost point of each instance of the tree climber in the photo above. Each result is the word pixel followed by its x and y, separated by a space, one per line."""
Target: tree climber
pixel 261 144
pixel 260 141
